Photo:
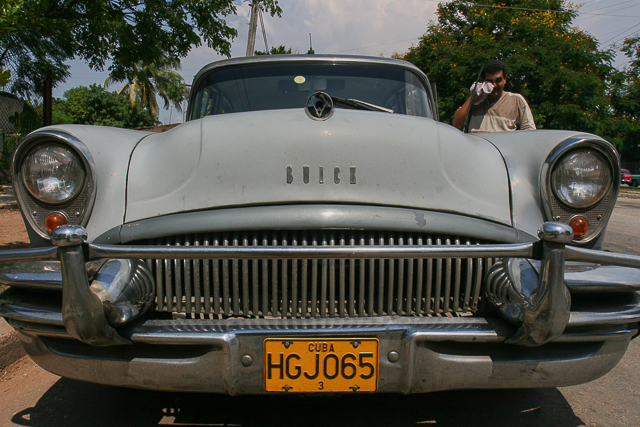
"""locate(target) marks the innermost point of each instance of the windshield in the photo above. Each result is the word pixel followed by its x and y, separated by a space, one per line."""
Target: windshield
pixel 276 86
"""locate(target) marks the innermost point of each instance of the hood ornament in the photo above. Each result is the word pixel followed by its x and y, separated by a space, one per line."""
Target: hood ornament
pixel 319 106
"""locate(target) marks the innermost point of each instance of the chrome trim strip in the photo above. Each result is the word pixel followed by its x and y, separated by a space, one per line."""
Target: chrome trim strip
pixel 43 275
pixel 17 310
pixel 618 314
pixel 612 333
pixel 602 278
pixel 18 255
pixel 630 315
pixel 521 250
pixel 76 145
pixel 601 257
pixel 39 329
pixel 432 329
pixel 315 217
pixel 565 146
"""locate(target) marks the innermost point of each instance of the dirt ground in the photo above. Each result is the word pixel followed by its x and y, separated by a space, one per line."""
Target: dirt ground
pixel 13 233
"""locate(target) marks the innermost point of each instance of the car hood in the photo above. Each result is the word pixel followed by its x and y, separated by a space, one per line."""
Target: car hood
pixel 284 157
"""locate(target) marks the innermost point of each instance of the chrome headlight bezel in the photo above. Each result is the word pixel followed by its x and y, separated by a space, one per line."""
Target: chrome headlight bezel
pixel 569 199
pixel 67 189
pixel 76 208
pixel 598 211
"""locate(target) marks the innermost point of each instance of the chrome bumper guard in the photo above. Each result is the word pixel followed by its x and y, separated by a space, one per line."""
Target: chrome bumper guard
pixel 529 286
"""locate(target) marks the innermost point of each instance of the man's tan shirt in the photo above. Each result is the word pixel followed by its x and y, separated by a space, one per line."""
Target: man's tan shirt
pixel 510 112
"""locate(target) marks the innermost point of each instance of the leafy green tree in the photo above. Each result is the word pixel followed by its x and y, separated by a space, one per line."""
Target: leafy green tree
pixel 95 106
pixel 119 32
pixel 625 100
pixel 280 50
pixel 556 66
pixel 9 15
pixel 144 82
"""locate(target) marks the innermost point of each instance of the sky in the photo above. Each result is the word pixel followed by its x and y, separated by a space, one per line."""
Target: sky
pixel 361 27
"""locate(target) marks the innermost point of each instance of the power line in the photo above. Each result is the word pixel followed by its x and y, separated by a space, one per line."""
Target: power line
pixel 619 34
pixel 493 6
pixel 613 5
pixel 596 15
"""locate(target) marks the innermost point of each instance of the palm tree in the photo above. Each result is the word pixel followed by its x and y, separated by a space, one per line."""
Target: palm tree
pixel 145 81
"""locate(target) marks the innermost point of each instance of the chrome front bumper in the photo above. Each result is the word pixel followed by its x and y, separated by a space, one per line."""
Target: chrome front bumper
pixel 567 344
pixel 415 356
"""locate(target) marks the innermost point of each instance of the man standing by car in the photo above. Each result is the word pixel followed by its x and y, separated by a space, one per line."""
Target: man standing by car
pixel 497 110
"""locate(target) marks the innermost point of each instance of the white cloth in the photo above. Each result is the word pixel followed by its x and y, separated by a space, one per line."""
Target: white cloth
pixel 482 89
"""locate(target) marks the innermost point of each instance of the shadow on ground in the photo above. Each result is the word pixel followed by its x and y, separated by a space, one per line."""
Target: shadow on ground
pixel 15 245
pixel 74 403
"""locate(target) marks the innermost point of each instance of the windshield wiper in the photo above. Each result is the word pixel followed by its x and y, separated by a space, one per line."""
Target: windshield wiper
pixel 361 105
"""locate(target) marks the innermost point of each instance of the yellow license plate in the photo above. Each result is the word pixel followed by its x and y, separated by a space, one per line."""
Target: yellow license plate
pixel 313 365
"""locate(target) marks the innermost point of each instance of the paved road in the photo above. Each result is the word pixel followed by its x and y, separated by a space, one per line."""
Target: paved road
pixel 32 397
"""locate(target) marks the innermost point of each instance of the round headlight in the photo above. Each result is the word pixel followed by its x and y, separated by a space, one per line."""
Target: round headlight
pixel 53 174
pixel 581 178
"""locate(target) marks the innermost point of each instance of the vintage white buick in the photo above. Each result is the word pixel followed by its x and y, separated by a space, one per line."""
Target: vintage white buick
pixel 312 228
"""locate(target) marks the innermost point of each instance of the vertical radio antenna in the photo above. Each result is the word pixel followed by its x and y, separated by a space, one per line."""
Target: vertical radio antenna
pixel 311 52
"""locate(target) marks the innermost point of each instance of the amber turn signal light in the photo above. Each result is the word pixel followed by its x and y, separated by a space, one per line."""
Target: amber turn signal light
pixel 580 225
pixel 54 220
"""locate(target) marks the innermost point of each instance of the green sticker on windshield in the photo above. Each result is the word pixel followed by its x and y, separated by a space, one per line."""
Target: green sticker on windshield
pixel 300 80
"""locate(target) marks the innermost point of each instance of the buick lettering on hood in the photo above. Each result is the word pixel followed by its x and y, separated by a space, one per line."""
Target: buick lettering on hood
pixel 312 228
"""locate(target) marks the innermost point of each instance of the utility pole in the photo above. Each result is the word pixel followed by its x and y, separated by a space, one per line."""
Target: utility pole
pixel 253 25
pixel 47 103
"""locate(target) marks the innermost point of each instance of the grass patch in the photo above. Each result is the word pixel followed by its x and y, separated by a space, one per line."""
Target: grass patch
pixel 630 189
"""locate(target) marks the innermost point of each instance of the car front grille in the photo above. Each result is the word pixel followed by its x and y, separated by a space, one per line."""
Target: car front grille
pixel 316 288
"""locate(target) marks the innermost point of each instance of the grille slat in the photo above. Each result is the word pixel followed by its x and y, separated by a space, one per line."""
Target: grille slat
pixel 216 281
pixel 255 282
pixel 419 282
pixel 197 281
pixel 265 282
pixel 317 288
pixel 158 275
pixel 478 281
pixel 400 294
pixel 294 282
pixel 284 284
pixel 456 282
pixel 438 284
pixel 186 267
pixel 274 284
pixel 429 280
pixel 235 296
pixel 323 284
pixel 447 282
pixel 206 279
pixel 245 281
pixel 177 266
pixel 303 287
